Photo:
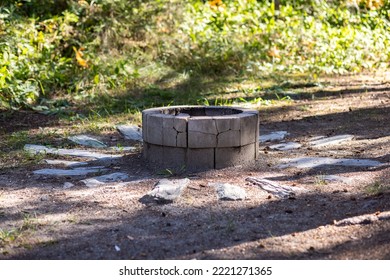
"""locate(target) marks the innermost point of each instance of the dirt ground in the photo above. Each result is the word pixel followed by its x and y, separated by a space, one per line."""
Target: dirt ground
pixel 40 219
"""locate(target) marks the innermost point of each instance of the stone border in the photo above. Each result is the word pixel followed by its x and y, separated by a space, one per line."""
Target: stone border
pixel 200 137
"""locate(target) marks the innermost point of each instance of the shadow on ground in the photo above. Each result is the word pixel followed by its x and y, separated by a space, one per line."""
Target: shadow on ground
pixel 176 231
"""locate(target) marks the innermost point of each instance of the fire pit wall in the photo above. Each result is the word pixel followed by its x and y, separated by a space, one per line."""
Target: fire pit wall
pixel 200 137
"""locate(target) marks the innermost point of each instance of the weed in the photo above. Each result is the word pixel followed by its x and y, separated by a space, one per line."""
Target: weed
pixel 320 180
pixel 8 236
pixel 169 172
pixel 377 188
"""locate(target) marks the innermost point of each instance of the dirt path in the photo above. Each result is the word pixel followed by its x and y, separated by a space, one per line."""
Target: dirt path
pixel 40 219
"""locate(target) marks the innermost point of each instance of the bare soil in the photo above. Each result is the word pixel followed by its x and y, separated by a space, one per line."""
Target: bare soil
pixel 40 219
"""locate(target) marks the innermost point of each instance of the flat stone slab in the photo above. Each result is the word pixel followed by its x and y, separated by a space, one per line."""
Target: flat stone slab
pixel 273 136
pixel 336 178
pixel 88 141
pixel 285 146
pixel 169 190
pixel 66 163
pixel 130 132
pixel 226 191
pixel 311 162
pixel 68 185
pixel 81 171
pixel 116 177
pixel 327 141
pixel 364 219
pixel 278 190
pixel 39 149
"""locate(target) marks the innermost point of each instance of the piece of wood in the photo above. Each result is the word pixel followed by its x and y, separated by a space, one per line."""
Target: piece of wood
pixel 275 189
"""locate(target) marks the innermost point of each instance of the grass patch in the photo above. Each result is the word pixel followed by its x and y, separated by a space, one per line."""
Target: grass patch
pixel 121 56
pixel 377 188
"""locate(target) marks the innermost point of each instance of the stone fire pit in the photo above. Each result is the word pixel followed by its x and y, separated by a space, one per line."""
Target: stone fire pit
pixel 200 137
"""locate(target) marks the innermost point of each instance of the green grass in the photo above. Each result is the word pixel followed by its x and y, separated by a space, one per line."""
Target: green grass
pixel 377 188
pixel 10 236
pixel 76 58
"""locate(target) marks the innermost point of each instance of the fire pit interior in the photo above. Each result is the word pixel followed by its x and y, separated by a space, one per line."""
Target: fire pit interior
pixel 200 137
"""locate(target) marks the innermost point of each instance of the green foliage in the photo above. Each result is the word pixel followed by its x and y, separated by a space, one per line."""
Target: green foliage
pixel 83 50
pixel 302 36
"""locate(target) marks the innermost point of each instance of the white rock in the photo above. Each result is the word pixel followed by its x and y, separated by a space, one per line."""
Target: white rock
pixel 70 172
pixel 169 190
pixel 327 141
pixel 86 140
pixel 130 132
pixel 68 185
pixel 66 163
pixel 336 178
pixel 104 179
pixel 226 191
pixel 273 136
pixel 285 146
pixel 39 149
pixel 314 138
pixel 311 162
pixel 357 220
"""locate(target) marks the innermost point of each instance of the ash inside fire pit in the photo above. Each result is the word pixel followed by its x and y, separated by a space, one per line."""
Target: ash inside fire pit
pixel 200 137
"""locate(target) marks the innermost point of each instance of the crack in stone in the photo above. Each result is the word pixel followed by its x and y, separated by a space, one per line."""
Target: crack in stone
pixel 177 134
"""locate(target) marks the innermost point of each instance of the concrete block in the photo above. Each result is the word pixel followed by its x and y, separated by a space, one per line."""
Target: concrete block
pixel 202 124
pixel 249 128
pixel 169 136
pixel 169 133
pixel 230 138
pixel 155 129
pixel 225 123
pixel 200 159
pixel 181 139
pixel 161 157
pixel 167 120
pixel 180 122
pixel 174 157
pixel 153 153
pixel 201 140
pixel 225 157
pixel 144 127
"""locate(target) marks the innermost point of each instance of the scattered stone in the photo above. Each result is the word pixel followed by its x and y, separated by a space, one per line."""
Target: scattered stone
pixel 384 216
pixel 70 172
pixel 130 132
pixel 44 197
pixel 194 188
pixel 66 163
pixel 314 138
pixel 117 248
pixel 68 185
pixel 39 149
pixel 273 136
pixel 358 220
pixel 168 190
pixel 85 140
pixel 285 146
pixel 104 179
pixel 327 141
pixel 227 191
pixel 277 190
pixel 312 162
pixel 336 178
